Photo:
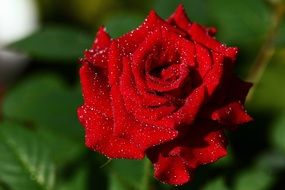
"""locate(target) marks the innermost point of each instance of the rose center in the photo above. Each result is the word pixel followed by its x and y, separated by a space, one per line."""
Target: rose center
pixel 164 66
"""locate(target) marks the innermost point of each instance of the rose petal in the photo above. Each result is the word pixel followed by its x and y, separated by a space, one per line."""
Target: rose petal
pixel 176 160
pixel 99 136
pixel 98 54
pixel 95 89
pixel 208 144
pixel 130 41
pixel 134 103
pixel 102 39
pixel 204 60
pixel 171 170
pixel 97 126
pixel 114 64
pixel 200 35
pixel 125 125
pixel 231 114
pixel 163 37
pixel 188 112
pixel 214 77
pixel 140 134
pixel 179 18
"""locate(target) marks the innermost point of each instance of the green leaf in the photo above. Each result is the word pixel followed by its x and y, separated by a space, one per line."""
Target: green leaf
pixel 44 101
pixel 58 144
pixel 24 161
pixel 254 179
pixel 129 174
pixel 55 43
pixel 278 133
pixel 121 23
pixel 116 184
pixel 274 161
pixel 77 182
pixel 216 184
pixel 240 22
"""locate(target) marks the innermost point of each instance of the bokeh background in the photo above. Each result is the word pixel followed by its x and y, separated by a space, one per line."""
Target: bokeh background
pixel 41 141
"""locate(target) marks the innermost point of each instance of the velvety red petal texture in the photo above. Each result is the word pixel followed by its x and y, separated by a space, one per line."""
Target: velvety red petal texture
pixel 175 161
pixel 165 90
pixel 231 114
pixel 179 18
pixel 97 55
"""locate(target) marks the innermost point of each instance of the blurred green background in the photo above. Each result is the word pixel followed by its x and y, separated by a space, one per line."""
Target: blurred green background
pixel 41 141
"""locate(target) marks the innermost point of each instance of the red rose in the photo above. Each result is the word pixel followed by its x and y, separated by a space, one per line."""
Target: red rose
pixel 165 90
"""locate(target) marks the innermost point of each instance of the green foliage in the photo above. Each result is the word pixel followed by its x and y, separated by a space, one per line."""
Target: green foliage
pixel 240 22
pixel 116 183
pixel 278 133
pixel 269 94
pixel 55 43
pixel 127 174
pixel 45 101
pixel 25 161
pixel 77 182
pixel 64 149
pixel 273 161
pixel 216 184
pixel 254 179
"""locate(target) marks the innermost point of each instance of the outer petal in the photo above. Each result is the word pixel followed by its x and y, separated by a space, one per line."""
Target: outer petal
pixel 201 36
pixel 231 114
pixel 95 88
pixel 99 136
pixel 179 18
pixel 102 40
pixel 208 144
pixel 98 54
pixel 226 106
pixel 171 170
pixel 175 161
pixel 130 41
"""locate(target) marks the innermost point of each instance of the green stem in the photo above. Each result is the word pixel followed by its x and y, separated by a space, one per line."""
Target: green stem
pixel 2 90
pixel 267 50
pixel 145 183
pixel 106 163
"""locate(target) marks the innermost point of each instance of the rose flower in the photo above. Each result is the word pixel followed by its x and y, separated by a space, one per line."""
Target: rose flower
pixel 165 90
